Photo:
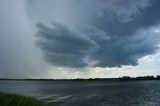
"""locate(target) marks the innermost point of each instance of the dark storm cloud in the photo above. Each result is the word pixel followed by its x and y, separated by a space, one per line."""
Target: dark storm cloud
pixel 126 50
pixel 123 10
pixel 146 17
pixel 128 41
pixel 118 33
pixel 64 46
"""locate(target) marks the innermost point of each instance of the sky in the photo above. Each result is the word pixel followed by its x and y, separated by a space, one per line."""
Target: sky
pixel 79 38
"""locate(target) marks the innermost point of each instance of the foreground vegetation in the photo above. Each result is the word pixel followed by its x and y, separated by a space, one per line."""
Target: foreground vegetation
pixel 18 100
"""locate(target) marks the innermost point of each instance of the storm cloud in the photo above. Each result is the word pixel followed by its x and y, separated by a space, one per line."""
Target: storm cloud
pixel 64 46
pixel 118 33
pixel 40 37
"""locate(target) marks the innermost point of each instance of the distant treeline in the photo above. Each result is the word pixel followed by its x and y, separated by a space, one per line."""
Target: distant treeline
pixel 94 79
pixel 140 78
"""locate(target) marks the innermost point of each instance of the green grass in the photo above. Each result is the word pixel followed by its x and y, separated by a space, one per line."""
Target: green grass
pixel 19 100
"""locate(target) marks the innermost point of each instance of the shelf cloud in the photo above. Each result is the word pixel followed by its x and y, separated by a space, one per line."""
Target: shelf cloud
pixel 53 35
pixel 117 33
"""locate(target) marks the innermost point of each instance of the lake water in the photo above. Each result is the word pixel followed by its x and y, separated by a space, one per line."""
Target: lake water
pixel 88 93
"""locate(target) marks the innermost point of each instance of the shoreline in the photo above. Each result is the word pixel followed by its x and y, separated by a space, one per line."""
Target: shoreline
pixel 12 99
pixel 91 79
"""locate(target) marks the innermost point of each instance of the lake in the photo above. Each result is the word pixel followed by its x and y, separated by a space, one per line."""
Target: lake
pixel 88 93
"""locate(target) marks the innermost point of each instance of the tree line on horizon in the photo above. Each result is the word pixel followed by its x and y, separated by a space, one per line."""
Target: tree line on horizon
pixel 81 79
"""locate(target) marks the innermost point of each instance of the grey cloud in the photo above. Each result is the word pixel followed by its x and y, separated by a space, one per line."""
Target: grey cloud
pixel 123 10
pixel 128 41
pixel 121 35
pixel 64 46
pixel 127 50
pixel 94 33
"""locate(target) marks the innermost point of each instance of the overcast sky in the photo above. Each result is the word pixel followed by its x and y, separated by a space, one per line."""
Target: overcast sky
pixel 79 38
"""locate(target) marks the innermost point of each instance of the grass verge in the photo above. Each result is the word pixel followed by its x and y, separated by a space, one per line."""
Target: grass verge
pixel 19 100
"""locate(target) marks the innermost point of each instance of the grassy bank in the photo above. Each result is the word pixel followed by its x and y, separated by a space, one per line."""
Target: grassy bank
pixel 18 100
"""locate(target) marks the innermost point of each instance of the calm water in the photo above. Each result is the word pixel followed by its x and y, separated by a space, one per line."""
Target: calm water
pixel 89 93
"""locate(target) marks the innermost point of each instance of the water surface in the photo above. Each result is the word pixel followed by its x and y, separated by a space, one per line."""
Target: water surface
pixel 88 93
